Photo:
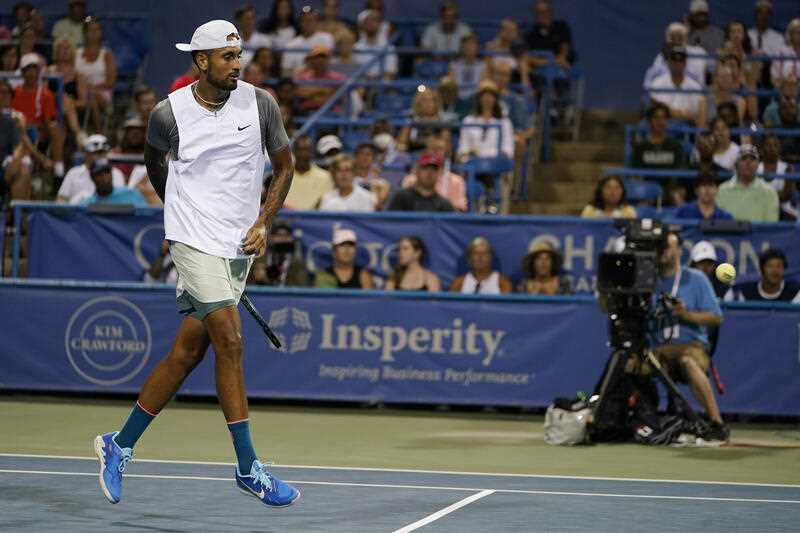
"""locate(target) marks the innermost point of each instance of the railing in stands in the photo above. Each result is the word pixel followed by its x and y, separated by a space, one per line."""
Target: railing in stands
pixel 683 173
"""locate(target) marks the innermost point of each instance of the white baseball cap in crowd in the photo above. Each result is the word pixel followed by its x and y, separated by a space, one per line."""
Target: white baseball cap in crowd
pixel 703 251
pixel 698 6
pixel 327 143
pixel 29 59
pixel 341 236
pixel 212 35
pixel 96 143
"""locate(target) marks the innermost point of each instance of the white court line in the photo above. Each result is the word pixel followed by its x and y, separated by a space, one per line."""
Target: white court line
pixel 444 512
pixel 414 471
pixel 421 487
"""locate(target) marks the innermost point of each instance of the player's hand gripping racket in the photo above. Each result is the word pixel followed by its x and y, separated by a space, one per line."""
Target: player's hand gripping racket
pixel 261 322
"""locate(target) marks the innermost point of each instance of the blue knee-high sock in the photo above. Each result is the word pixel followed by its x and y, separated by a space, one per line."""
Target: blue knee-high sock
pixel 137 422
pixel 245 454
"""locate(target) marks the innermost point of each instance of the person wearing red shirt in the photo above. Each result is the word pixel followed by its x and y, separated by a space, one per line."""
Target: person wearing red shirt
pixel 34 100
pixel 312 97
pixel 187 78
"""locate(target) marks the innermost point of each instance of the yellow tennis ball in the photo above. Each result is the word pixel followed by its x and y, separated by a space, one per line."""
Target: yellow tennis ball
pixel 726 273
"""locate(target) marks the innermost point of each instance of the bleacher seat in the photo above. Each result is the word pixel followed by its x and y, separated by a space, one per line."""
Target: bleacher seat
pixel 642 191
pixel 431 69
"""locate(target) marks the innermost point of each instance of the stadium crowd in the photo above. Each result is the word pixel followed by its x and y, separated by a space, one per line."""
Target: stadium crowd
pixel 69 134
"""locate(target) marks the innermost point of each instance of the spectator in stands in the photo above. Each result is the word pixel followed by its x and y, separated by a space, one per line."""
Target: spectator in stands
pixel 504 42
pixel 312 97
pixel 772 287
pixel 15 166
pixel 309 37
pixel 609 201
pixel 245 20
pixel 448 184
pixel 310 183
pixel 701 32
pixel 512 104
pixel 658 150
pixel 344 60
pixel 423 196
pixel 330 21
pixel 410 274
pixel 22 17
pixel 481 278
pixel 99 67
pixel 477 138
pixel 550 35
pixel 788 113
pixel 28 45
pixel 144 99
pixel 677 35
pixel 191 75
pixel 737 45
pixel 703 154
pixel 286 94
pixel 786 67
pixel 138 180
pixel 684 106
pixel 346 196
pixel 367 172
pixel 76 91
pixel 703 257
pixel 282 263
pixel 452 105
pixel 343 273
pixel 370 41
pixel 71 26
pixel 746 196
pixel 131 145
pixel 162 269
pixel 78 184
pixel 723 90
pixel 253 74
pixel 38 104
pixel 786 90
pixel 281 25
pixel 542 268
pixel 9 60
pixel 429 118
pixel 328 147
pixel 762 36
pixel 106 192
pixel 705 208
pixel 446 34
pixel 772 163
pixel 468 68
pixel 726 152
pixel 386 28
pixel 270 68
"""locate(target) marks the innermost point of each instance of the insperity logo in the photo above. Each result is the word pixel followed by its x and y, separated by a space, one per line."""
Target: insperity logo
pixel 300 328
pixel 108 340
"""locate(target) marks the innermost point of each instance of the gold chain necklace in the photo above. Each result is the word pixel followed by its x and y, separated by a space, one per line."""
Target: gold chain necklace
pixel 215 104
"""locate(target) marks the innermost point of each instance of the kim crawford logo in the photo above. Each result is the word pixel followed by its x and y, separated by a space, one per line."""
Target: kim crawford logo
pixel 108 340
pixel 457 338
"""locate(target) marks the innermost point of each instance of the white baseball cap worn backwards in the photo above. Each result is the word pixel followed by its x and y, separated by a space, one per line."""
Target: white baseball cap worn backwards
pixel 212 35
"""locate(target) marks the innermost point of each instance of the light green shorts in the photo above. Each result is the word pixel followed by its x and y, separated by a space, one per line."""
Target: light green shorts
pixel 207 282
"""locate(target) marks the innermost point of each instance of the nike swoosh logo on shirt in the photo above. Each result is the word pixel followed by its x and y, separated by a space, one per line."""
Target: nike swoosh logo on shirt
pixel 245 127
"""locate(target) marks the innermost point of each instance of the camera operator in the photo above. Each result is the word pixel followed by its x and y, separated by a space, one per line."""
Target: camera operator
pixel 685 351
pixel 281 265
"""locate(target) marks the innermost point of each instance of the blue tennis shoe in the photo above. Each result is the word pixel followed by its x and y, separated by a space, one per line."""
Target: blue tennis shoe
pixel 113 461
pixel 266 487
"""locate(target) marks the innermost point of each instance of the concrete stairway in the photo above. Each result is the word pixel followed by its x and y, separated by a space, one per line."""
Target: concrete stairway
pixel 565 185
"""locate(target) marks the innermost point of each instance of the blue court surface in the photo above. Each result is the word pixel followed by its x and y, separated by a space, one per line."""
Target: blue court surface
pixel 62 494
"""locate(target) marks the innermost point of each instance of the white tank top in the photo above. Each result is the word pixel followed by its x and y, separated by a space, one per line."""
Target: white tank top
pixel 214 187
pixel 95 72
pixel 490 285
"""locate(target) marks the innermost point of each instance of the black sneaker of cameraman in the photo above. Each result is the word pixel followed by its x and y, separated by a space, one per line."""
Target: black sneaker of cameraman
pixel 717 432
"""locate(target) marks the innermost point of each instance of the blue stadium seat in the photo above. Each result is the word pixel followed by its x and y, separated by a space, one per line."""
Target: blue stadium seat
pixel 642 191
pixel 394 104
pixel 431 69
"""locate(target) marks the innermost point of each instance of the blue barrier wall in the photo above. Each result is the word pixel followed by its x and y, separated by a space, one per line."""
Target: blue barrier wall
pixel 370 346
pixel 616 39
pixel 73 244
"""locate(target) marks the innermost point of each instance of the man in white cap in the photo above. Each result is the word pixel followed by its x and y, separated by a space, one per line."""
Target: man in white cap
pixel 746 196
pixel 205 156
pixel 704 258
pixel 78 185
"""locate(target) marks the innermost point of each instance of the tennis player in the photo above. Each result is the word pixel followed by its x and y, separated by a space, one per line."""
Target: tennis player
pixel 205 156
